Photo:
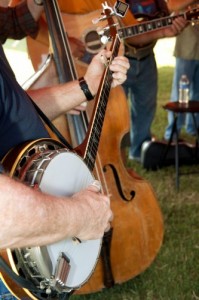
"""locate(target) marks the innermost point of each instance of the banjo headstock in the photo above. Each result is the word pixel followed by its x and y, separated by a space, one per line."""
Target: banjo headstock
pixel 108 32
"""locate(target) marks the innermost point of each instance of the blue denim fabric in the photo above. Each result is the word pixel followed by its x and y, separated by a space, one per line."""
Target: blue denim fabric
pixel 4 293
pixel 141 89
pixel 191 69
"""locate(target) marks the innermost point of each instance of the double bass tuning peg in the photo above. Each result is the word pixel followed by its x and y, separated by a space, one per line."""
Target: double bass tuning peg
pixel 102 33
pixel 97 20
pixel 103 15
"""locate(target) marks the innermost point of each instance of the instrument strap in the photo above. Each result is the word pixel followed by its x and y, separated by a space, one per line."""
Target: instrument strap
pixel 51 125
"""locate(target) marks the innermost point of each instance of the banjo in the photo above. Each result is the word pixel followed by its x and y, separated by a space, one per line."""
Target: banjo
pixel 47 165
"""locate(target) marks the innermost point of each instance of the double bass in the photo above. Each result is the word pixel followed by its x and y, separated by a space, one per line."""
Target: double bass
pixel 137 229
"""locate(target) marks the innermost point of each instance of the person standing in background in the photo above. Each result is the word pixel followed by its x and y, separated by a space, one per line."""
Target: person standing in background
pixel 186 52
pixel 141 84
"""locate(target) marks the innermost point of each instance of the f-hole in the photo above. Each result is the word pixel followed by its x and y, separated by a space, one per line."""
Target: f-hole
pixel 118 184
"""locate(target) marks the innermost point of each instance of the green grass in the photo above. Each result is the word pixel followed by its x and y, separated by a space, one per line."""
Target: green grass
pixel 174 275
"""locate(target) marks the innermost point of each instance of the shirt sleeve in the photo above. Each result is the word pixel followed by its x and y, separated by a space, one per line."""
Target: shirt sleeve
pixel 17 22
pixel 1 169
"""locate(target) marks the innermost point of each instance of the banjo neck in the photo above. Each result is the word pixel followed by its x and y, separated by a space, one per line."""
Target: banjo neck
pixel 88 148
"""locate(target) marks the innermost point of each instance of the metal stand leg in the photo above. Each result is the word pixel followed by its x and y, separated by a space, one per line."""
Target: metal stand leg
pixel 176 155
pixel 174 128
pixel 197 134
pixel 174 133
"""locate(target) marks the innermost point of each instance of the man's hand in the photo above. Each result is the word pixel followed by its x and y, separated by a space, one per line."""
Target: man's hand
pixel 176 28
pixel 93 213
pixel 119 67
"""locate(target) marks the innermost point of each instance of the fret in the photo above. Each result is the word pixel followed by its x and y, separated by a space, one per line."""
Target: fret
pixel 149 26
pixel 170 20
pixel 158 24
pixel 94 138
pixel 145 27
pixel 141 28
pixel 167 22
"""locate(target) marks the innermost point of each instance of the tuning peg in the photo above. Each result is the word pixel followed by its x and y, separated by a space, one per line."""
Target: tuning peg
pixel 100 30
pixel 104 39
pixel 97 20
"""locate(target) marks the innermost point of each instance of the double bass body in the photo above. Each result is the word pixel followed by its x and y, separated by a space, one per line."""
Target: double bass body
pixel 137 227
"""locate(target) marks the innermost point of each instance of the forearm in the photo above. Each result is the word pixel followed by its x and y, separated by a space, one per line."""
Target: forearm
pixel 175 5
pixel 58 99
pixel 31 218
pixel 28 217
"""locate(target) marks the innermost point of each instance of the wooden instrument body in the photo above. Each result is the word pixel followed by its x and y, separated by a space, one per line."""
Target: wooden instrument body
pixel 137 227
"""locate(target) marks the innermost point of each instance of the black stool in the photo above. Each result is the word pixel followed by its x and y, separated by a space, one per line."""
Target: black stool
pixel 176 107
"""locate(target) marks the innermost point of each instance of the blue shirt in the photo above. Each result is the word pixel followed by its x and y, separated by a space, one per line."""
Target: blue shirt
pixel 19 121
pixel 148 9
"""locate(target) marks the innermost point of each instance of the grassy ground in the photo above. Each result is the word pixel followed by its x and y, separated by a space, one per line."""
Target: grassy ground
pixel 174 275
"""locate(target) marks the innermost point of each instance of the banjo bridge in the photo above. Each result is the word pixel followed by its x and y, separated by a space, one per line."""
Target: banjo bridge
pixel 62 271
